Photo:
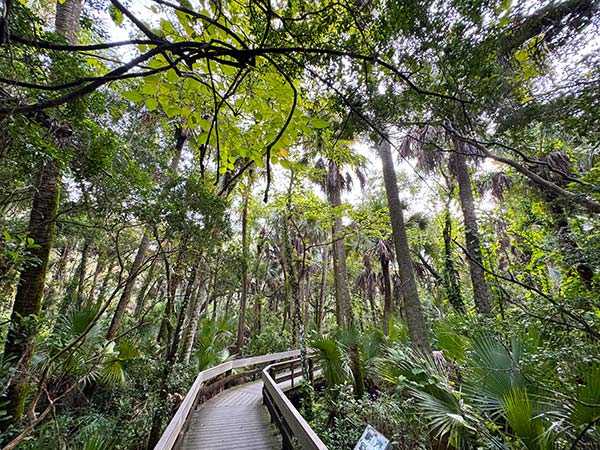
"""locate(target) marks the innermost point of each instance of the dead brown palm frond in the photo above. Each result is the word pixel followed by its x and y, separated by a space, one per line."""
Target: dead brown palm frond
pixel 498 183
pixel 366 282
pixel 406 147
pixel 501 183
pixel 555 166
pixel 383 250
pixel 362 177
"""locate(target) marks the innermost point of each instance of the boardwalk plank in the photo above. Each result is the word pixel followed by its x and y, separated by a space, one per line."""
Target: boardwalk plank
pixel 235 419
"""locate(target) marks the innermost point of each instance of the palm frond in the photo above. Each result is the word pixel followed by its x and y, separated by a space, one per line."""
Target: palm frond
pixel 335 368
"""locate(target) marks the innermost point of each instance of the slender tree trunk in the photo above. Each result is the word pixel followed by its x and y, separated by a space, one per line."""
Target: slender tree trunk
pixel 128 289
pixel 387 293
pixel 100 260
pixel 141 296
pixel 342 291
pixel 319 311
pixel 57 278
pixel 194 316
pixel 173 280
pixel 481 293
pixel 244 296
pixel 178 334
pixel 450 274
pixel 105 282
pixel 82 271
pixel 417 326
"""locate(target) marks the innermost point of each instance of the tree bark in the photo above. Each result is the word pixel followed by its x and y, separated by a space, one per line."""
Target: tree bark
pixel 342 291
pixel 59 272
pixel 142 293
pixel 128 289
pixel 451 279
pixel 82 271
pixel 19 341
pixel 319 310
pixel 481 293
pixel 194 317
pixel 244 296
pixel 387 293
pixel 28 299
pixel 417 326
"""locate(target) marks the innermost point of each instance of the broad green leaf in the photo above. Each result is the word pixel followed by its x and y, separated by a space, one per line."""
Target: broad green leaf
pixel 319 123
pixel 151 103
pixel 133 96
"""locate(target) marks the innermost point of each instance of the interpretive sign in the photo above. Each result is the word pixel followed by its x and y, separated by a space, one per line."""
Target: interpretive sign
pixel 372 439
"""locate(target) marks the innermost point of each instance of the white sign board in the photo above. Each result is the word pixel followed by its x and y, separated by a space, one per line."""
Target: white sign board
pixel 372 439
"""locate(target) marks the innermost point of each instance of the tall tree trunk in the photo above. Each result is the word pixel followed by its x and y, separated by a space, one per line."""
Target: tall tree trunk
pixel 199 304
pixel 342 291
pixel 384 261
pixel 19 341
pixel 481 292
pixel 142 293
pixel 417 326
pixel 451 279
pixel 129 285
pixel 244 296
pixel 173 280
pixel 82 271
pixel 18 348
pixel 320 309
pixel 105 282
pixel 100 261
pixel 57 278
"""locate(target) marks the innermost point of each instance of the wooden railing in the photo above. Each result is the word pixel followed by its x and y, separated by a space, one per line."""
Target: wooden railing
pixel 294 429
pixel 207 384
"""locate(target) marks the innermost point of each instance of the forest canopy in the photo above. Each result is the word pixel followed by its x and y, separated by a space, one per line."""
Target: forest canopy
pixel 407 189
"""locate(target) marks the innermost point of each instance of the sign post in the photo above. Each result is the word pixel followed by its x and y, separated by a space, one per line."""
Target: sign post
pixel 372 439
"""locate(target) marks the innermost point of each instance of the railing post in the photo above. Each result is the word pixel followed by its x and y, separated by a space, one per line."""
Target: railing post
pixel 311 373
pixel 285 442
pixel 292 371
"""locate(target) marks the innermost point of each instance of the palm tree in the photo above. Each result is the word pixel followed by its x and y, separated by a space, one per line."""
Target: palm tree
pixel 417 326
pixel 458 164
pixel 28 299
pixel 333 184
pixel 423 144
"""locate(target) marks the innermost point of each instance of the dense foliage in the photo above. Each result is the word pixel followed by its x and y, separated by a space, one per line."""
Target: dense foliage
pixel 408 187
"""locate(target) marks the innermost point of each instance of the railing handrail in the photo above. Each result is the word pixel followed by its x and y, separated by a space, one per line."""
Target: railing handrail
pixel 171 433
pixel 299 428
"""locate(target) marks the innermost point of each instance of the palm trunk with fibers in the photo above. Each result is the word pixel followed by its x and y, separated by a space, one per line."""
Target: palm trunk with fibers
pixel 129 285
pixel 28 299
pixel 481 293
pixel 244 296
pixel 342 291
pixel 417 326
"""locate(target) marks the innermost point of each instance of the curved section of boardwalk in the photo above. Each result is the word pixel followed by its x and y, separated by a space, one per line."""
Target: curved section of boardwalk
pixel 235 419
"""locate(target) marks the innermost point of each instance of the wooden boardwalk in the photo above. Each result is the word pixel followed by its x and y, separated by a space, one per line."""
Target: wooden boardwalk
pixel 233 420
